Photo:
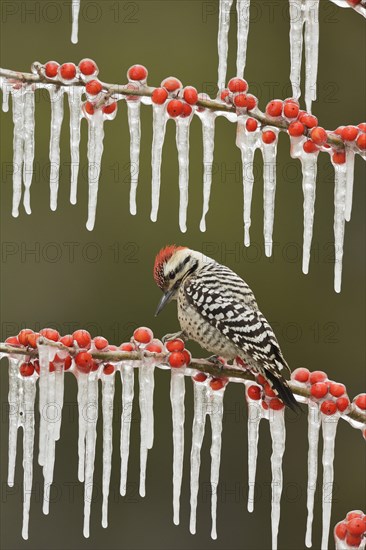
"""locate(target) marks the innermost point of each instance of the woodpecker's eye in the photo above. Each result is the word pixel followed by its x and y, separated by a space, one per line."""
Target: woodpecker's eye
pixel 171 275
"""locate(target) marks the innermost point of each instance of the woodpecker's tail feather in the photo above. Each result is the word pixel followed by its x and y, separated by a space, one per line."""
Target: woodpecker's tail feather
pixel 280 385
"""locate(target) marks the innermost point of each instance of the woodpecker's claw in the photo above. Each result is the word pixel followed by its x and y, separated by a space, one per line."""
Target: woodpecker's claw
pixel 216 360
pixel 180 334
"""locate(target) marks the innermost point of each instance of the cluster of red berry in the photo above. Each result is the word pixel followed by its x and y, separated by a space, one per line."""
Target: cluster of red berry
pixel 262 390
pixel 181 100
pixel 352 529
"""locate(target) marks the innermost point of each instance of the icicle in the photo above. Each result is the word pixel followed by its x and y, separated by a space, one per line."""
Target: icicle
pixel 133 111
pixel 350 169
pixel 28 388
pixel 28 145
pixel 91 417
pixel 57 114
pixel 159 126
pixel 75 8
pixel 107 408
pixel 126 418
pixel 198 431
pixel 46 354
pixel 18 146
pixel 6 89
pixel 329 429
pixel 269 152
pixel 254 418
pixel 278 436
pixel 177 393
pixel 311 50
pixel 74 95
pixel 339 221
pixel 182 139
pixel 242 9
pixel 208 134
pixel 82 397
pixel 95 151
pixel 297 8
pixel 216 411
pixel 146 382
pixel 15 417
pixel 313 438
pixel 309 171
pixel 222 40
pixel 247 142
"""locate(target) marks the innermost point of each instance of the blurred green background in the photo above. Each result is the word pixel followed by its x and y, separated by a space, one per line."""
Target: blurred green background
pixel 56 273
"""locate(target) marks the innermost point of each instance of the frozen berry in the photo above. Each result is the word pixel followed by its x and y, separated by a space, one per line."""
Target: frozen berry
pixel 23 336
pixel 340 530
pixel 361 142
pixel 225 95
pixel 251 124
pixel 338 131
pixel 110 108
pixel 89 108
pixel 276 404
pixel 310 121
pixel 159 96
pixel 100 342
pixel 318 376
pixel 354 514
pixel 251 102
pixel 360 401
pixel 274 108
pixel 67 340
pixel 356 526
pixel 200 377
pixel 50 334
pixel 67 71
pixel 309 146
pixel 339 157
pixel 88 67
pixel 268 390
pixel 261 380
pixel 108 369
pixel 336 389
pixel 51 69
pixel 190 95
pixel 291 109
pixel 143 335
pixel 254 392
pixel 175 345
pixel 26 369
pixel 237 85
pixel 93 87
pixel 84 361
pixel 187 356
pixel 319 390
pixel 218 383
pixel 175 108
pixel 155 346
pixel 342 403
pixel 318 135
pixel 240 100
pixel 187 110
pixel 82 338
pixel 264 405
pixel 127 346
pixel 353 540
pixel 301 374
pixel 362 126
pixel 296 128
pixel 328 407
pixel 171 84
pixel 349 133
pixel 33 339
pixel 268 137
pixel 177 359
pixel 67 362
pixel 36 365
pixel 137 72
pixel 12 340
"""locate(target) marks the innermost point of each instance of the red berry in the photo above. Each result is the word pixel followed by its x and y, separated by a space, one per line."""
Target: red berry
pixel 95 365
pixel 342 403
pixel 354 3
pixel 190 95
pixel 318 376
pixel 100 342
pixel 274 108
pixel 337 389
pixel 87 67
pixel 339 157
pixel 175 108
pixel 301 374
pixel 143 335
pixel 319 390
pixel 296 128
pixel 50 334
pixel 268 390
pixel 127 346
pixel 251 124
pixel 26 369
pixel 84 361
pixel 360 401
pixel 37 368
pixel 276 404
pixel 251 102
pixel 268 136
pixel 310 121
pixel 89 108
pixel 175 345
pixel 23 336
pixel 354 514
pixel 318 135
pixel 67 340
pixel 362 126
pixel 340 530
pixel 67 362
pixel 264 405
pixel 237 85
pixel 177 359
pixel 187 355
pixel 12 340
pixel 261 380
pixel 51 69
pixel 338 131
pixel 361 142
pixel 83 338
pixel 240 100
pixel 349 133
pixel 353 540
pixel 328 407
pixel 68 71
pixel 218 383
pixel 93 87
pixel 291 109
pixel 137 72
pixel 309 146
pixel 155 346
pixel 159 96
pixel 200 377
pixel 109 109
pixel 356 526
pixel 108 369
pixel 33 339
pixel 254 392
pixel 225 94
pixel 171 84
pixel 187 110
pixel 111 347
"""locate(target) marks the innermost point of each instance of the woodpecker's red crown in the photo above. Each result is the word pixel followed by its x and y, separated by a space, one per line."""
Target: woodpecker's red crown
pixel 161 259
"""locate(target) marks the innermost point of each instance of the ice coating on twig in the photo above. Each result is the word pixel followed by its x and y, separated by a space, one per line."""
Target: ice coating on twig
pixel 75 103
pixel 313 439
pixel 208 135
pixel 269 152
pixel 95 152
pixel 107 409
pixel 242 9
pixel 182 140
pixel 91 417
pixel 57 114
pixel 278 435
pixel 215 411
pixel 177 393
pixel 160 118
pixel 75 8
pixel 340 183
pixel 329 429
pixel 133 112
pixel 198 431
pixel 222 40
pixel 126 418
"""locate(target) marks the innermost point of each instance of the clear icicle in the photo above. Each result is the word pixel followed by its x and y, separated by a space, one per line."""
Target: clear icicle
pixel 182 139
pixel 29 108
pixel 91 417
pixel 45 356
pixel 75 8
pixel 126 418
pixel 198 431
pixel 133 111
pixel 269 152
pixel 75 103
pixel 177 393
pixel 350 169
pixel 208 135
pixel 159 126
pixel 297 8
pixel 95 152
pixel 339 221
pixel 309 171
pixel 15 418
pixel 216 411
pixel 242 9
pixel 311 50
pixel 28 386
pixel 278 435
pixel 313 438
pixel 222 40
pixel 107 408
pixel 146 382
pixel 254 418
pixel 49 456
pixel 57 114
pixel 82 397
pixel 18 146
pixel 329 429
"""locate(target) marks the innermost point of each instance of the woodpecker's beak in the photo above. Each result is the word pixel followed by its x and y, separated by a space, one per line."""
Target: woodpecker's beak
pixel 165 300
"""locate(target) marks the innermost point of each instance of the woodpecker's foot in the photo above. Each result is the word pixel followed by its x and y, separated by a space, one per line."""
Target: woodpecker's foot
pixel 217 361
pixel 181 334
